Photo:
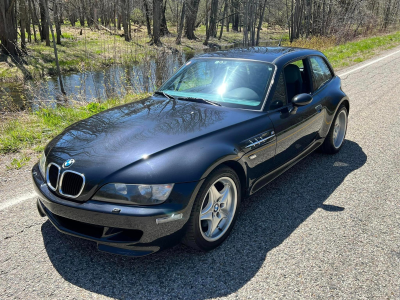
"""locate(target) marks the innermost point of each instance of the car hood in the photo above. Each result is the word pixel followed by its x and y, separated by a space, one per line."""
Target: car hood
pixel 121 136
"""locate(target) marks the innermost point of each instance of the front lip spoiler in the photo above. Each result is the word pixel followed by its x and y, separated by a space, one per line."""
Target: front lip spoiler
pixel 98 214
pixel 102 244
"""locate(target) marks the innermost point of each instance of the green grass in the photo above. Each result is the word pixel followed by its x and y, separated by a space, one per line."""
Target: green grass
pixel 358 51
pixel 33 130
pixel 18 163
pixel 350 53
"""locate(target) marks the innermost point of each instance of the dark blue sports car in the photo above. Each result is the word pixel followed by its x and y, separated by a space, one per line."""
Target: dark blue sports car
pixel 175 166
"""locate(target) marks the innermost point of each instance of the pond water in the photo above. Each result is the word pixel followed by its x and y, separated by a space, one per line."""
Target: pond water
pixel 114 81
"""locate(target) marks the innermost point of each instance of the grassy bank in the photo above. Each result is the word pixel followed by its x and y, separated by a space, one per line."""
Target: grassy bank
pixel 350 53
pixel 30 131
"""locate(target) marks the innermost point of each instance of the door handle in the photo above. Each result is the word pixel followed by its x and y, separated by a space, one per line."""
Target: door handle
pixel 318 108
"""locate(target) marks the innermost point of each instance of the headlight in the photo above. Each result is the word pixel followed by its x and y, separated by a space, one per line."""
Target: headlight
pixel 139 194
pixel 42 165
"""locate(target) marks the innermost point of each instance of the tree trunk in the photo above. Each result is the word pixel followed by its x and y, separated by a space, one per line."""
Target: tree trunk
pixel 260 22
pixel 8 27
pixel 223 19
pixel 228 18
pixel 387 15
pixel 190 20
pixel 28 22
pixel 309 17
pixel 57 20
pixel 147 13
pixel 22 17
pixel 180 26
pixel 163 26
pixel 82 11
pixel 119 22
pixel 54 46
pixel 235 21
pixel 32 17
pixel 213 18
pixel 115 16
pixel 157 6
pixel 124 19
pixel 129 20
pixel 44 33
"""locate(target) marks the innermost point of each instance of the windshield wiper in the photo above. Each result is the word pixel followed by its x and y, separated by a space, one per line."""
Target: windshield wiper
pixel 165 95
pixel 201 100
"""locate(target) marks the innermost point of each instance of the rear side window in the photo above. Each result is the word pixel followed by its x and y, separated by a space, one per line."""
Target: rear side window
pixel 320 71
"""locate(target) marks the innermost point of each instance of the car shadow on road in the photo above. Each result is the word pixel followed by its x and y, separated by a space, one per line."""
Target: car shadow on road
pixel 265 220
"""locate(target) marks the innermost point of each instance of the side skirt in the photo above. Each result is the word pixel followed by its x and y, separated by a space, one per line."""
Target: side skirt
pixel 279 171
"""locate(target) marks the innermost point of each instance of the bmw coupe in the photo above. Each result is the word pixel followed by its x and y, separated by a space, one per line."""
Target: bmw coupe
pixel 175 167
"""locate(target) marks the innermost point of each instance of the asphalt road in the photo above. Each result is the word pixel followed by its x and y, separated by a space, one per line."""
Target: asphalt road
pixel 327 228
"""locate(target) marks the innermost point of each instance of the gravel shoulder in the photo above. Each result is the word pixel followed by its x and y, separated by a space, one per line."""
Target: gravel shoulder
pixel 15 183
pixel 326 229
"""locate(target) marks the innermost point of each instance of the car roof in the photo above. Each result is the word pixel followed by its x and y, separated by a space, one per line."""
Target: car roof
pixel 277 55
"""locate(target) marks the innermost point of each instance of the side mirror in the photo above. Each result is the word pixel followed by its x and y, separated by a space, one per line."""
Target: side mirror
pixel 302 99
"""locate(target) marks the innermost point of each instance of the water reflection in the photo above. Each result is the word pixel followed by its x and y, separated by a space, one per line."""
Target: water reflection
pixel 114 81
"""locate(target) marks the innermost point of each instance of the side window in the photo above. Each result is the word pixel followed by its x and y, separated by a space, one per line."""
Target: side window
pixel 279 98
pixel 320 71
pixel 296 78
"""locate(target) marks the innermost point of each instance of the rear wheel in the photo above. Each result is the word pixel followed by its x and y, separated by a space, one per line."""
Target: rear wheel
pixel 337 133
pixel 214 210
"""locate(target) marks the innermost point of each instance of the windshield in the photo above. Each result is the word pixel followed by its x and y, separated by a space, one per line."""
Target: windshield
pixel 233 83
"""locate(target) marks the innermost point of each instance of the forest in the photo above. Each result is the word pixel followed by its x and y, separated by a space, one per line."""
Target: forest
pixel 23 22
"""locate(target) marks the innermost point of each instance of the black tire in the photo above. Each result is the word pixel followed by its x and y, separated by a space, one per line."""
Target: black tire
pixel 328 145
pixel 194 237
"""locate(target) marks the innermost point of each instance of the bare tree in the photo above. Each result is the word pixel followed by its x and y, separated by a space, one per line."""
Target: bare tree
pixel 46 6
pixel 147 14
pixel 22 21
pixel 57 22
pixel 157 6
pixel 180 24
pixel 8 27
pixel 44 32
pixel 191 14
pixel 212 25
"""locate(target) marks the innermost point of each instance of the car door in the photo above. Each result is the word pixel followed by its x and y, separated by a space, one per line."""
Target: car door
pixel 296 128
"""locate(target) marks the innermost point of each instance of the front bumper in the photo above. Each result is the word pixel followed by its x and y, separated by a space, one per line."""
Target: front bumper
pixel 119 229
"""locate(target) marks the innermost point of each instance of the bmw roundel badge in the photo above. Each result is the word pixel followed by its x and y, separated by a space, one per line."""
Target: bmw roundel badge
pixel 68 163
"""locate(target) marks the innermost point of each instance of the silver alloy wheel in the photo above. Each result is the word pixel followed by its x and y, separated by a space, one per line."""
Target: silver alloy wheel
pixel 218 209
pixel 339 131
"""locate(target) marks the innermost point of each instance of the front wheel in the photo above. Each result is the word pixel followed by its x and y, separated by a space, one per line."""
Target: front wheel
pixel 337 133
pixel 214 210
